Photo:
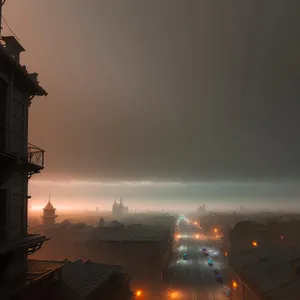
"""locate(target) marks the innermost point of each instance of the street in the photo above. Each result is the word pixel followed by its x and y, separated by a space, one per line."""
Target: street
pixel 193 278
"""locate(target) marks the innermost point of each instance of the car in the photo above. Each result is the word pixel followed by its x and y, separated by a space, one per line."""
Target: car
pixel 204 249
pixel 219 277
pixel 217 271
pixel 185 256
pixel 210 262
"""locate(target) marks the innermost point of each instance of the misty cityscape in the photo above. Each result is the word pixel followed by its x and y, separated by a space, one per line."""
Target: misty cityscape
pixel 149 150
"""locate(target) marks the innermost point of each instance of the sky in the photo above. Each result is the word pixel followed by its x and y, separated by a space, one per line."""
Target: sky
pixel 201 92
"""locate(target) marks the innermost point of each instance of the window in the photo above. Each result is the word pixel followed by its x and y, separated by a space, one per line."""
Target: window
pixel 3 111
pixel 3 202
pixel 3 101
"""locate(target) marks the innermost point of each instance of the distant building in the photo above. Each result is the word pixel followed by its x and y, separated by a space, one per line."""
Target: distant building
pixel 49 215
pixel 101 222
pixel 143 251
pixel 201 210
pixel 118 209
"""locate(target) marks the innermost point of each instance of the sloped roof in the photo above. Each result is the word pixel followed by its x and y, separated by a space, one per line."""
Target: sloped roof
pixel 38 268
pixel 270 269
pixel 84 277
pixel 131 234
pixel 290 291
pixel 49 206
pixel 21 72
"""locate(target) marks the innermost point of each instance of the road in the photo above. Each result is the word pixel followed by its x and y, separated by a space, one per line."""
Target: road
pixel 194 275
pixel 193 278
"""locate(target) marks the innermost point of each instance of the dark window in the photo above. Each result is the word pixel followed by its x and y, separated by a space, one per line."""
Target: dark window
pixel 3 201
pixel 3 111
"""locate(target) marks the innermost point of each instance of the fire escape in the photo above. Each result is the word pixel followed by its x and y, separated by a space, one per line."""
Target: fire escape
pixel 35 161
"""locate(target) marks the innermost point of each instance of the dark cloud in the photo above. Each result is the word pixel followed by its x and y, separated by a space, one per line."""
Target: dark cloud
pixel 167 89
pixel 209 191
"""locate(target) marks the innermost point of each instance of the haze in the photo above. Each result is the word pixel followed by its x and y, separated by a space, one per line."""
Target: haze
pixel 199 98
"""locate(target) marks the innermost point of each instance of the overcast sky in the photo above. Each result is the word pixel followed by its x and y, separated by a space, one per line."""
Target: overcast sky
pixel 164 90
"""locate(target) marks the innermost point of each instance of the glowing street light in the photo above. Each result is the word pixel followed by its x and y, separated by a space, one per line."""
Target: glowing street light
pixel 138 293
pixel 234 285
pixel 215 230
pixel 254 244
pixel 197 236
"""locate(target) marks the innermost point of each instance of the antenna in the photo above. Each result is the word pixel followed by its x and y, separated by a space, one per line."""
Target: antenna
pixel 1 4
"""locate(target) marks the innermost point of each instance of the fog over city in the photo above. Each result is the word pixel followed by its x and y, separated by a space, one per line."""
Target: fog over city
pixel 149 149
pixel 193 91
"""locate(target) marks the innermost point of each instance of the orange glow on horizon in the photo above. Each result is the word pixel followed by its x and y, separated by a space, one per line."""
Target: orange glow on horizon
pixel 36 208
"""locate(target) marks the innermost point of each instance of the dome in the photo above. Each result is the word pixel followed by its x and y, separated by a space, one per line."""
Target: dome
pixel 49 206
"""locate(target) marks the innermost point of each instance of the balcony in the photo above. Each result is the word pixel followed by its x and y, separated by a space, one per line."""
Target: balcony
pixel 31 242
pixel 36 156
pixel 35 159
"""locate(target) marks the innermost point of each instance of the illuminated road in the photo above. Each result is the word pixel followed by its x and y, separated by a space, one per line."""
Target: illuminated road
pixel 193 278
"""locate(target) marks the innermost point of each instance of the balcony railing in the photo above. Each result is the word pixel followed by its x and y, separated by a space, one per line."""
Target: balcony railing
pixel 36 156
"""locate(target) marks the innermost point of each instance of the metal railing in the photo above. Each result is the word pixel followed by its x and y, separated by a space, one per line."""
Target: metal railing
pixel 36 155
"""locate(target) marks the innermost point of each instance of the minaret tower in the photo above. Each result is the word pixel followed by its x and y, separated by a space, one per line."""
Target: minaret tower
pixel 49 215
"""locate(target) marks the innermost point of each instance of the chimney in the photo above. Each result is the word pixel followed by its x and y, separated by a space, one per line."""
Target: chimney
pixel 13 47
pixel 34 77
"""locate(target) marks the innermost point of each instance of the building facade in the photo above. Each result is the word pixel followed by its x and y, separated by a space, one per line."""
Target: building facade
pixel 19 160
pixel 143 252
pixel 119 209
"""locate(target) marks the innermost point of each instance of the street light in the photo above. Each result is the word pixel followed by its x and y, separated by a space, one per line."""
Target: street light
pixel 254 244
pixel 138 293
pixel 215 230
pixel 234 285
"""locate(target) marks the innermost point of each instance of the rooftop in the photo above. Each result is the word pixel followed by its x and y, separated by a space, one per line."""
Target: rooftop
pixel 123 234
pixel 37 269
pixel 49 206
pixel 21 71
pixel 270 269
pixel 290 291
pixel 83 277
